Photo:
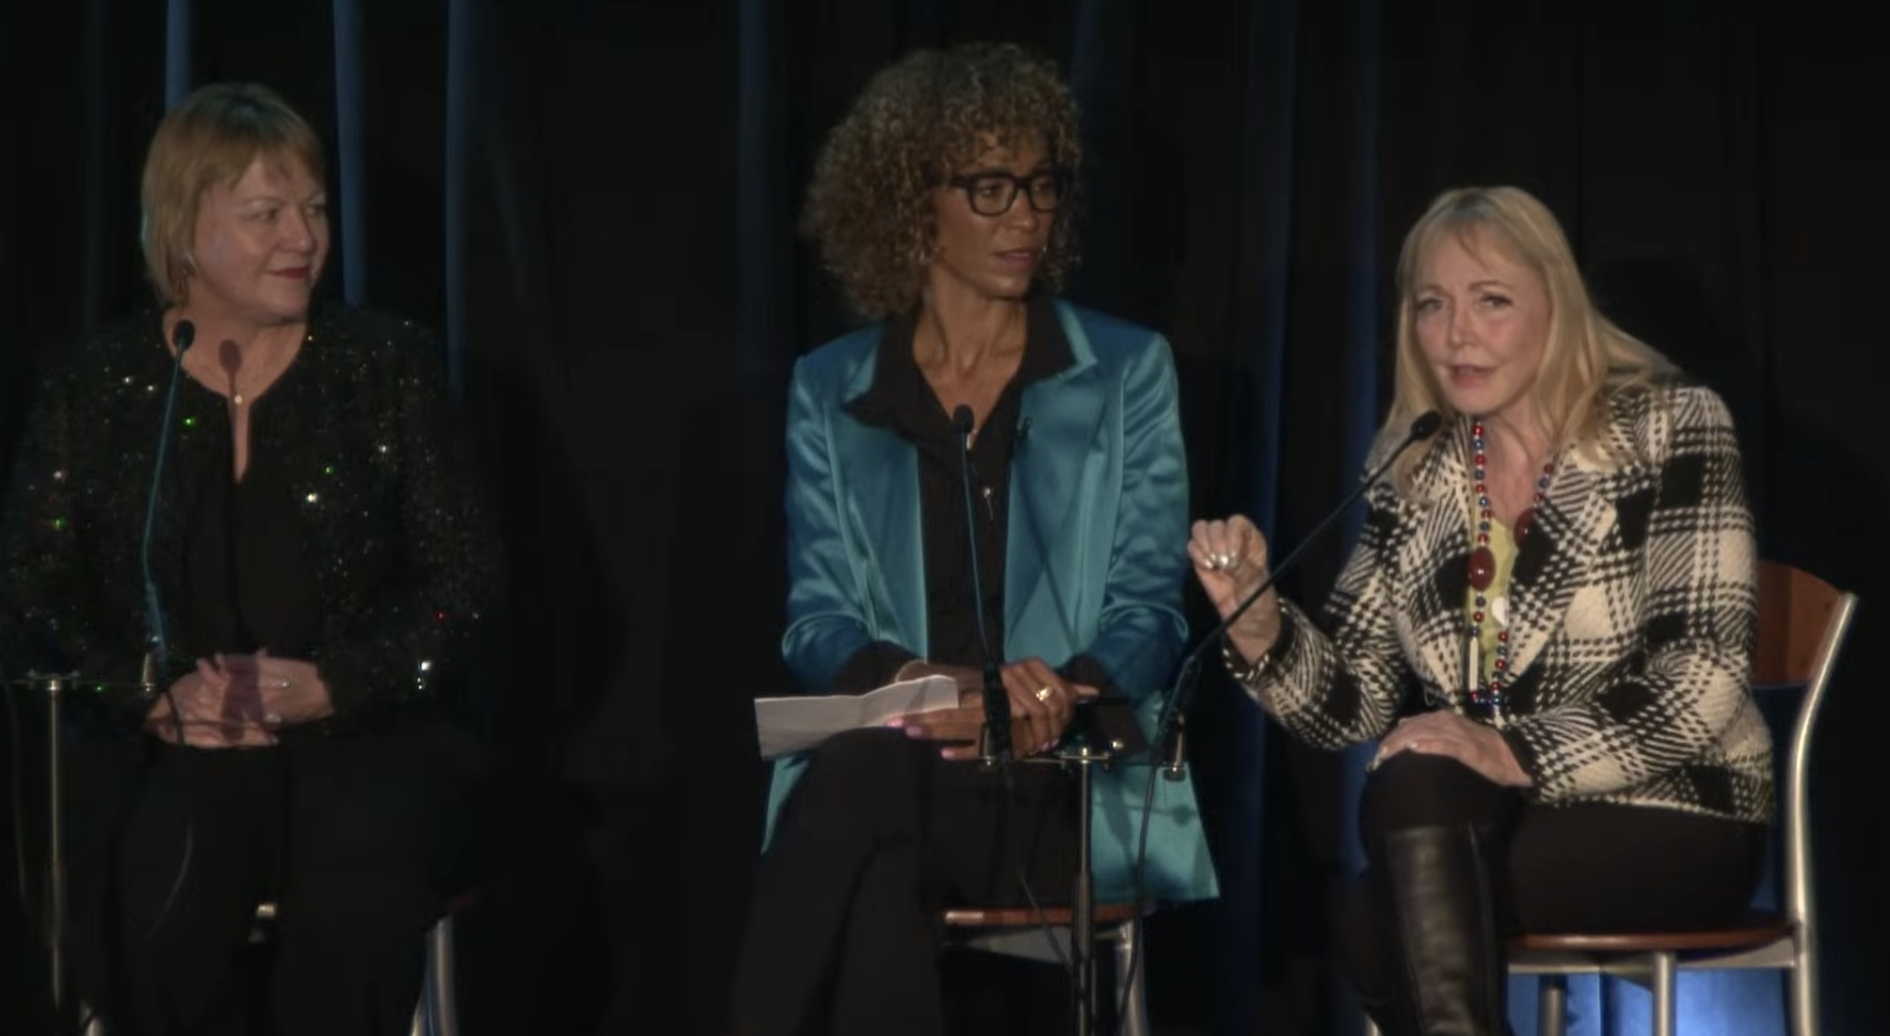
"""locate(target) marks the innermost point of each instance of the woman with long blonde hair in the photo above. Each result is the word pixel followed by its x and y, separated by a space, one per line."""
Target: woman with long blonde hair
pixel 1566 582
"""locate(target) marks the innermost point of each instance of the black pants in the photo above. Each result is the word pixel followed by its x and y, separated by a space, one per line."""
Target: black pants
pixel 1593 867
pixel 880 835
pixel 358 839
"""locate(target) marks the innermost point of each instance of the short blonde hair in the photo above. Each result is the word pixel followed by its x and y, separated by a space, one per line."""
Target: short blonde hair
pixel 1585 358
pixel 211 137
pixel 869 206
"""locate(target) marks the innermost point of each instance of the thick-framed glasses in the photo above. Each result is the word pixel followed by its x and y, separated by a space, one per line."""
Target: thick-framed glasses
pixel 993 194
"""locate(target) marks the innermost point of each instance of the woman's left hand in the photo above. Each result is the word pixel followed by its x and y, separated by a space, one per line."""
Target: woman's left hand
pixel 1041 704
pixel 290 690
pixel 1445 733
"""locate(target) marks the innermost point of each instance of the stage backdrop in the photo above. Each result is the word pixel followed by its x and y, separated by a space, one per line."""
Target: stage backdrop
pixel 595 203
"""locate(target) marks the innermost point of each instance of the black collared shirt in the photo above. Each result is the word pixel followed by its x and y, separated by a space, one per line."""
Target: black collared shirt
pixel 902 401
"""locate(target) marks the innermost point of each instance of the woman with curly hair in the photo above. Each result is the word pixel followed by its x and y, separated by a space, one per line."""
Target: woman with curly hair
pixel 943 204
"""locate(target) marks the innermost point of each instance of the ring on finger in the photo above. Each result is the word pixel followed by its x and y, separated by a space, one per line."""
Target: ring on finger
pixel 1043 693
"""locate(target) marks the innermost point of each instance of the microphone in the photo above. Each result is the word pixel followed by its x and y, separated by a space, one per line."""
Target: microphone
pixel 1175 732
pixel 994 748
pixel 157 650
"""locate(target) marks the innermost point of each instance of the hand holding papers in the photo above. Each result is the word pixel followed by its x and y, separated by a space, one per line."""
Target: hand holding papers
pixel 800 722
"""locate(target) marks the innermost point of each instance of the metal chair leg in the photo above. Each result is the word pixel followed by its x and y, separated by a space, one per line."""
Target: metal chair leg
pixel 437 1013
pixel 440 959
pixel 1552 1005
pixel 1133 998
pixel 1804 994
pixel 1662 981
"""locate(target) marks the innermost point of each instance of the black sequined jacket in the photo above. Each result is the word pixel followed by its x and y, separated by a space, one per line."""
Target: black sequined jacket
pixel 397 536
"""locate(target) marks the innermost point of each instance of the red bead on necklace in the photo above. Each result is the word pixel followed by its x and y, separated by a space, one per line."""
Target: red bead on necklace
pixel 1482 565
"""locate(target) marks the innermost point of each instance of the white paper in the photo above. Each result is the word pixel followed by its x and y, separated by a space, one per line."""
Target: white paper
pixel 798 723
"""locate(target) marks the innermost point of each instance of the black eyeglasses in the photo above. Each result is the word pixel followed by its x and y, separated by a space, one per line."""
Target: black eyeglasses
pixel 993 194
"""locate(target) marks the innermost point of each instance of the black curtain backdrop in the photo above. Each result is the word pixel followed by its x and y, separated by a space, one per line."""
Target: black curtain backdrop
pixel 595 203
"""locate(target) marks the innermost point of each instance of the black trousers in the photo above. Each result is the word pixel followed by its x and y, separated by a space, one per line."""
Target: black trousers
pixel 1593 867
pixel 879 836
pixel 358 838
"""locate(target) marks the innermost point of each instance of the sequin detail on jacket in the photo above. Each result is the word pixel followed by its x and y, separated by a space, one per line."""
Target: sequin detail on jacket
pixel 397 536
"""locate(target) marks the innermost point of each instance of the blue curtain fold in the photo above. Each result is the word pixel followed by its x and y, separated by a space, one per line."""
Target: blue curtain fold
pixel 462 79
pixel 350 163
pixel 180 25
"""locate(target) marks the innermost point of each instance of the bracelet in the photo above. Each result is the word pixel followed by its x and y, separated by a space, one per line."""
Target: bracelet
pixel 1245 673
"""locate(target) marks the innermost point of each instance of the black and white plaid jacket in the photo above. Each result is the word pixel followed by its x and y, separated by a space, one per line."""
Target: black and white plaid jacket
pixel 1634 599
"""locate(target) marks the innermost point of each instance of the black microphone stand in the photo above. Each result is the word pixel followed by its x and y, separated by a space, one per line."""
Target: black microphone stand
pixel 1174 726
pixel 53 900
pixel 1084 756
pixel 996 755
pixel 54 903
pixel 994 742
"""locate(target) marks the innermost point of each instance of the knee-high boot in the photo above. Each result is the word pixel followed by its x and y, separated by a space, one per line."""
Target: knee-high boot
pixel 1441 882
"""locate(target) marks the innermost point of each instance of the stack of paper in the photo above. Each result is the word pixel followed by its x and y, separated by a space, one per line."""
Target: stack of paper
pixel 798 723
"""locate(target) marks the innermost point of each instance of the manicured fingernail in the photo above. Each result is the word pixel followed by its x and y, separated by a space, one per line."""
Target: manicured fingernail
pixel 896 721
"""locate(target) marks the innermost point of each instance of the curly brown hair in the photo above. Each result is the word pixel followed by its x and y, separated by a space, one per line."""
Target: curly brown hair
pixel 869 207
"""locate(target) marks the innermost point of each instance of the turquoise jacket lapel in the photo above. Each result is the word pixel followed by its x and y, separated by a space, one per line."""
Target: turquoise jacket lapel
pixel 1058 423
pixel 883 470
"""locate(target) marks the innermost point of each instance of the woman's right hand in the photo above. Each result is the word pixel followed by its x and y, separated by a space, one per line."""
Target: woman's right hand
pixel 216 708
pixel 1041 701
pixel 1230 559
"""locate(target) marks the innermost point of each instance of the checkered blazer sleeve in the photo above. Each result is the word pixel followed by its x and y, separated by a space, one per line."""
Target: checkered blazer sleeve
pixel 1343 689
pixel 1686 674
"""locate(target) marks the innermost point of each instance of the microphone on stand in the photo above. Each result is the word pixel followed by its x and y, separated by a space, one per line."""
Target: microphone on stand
pixel 1175 733
pixel 994 746
pixel 157 645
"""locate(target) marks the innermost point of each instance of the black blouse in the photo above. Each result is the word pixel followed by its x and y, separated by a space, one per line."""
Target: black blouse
pixel 902 401
pixel 247 573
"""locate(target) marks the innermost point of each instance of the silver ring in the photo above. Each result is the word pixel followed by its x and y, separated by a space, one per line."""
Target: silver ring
pixel 1043 693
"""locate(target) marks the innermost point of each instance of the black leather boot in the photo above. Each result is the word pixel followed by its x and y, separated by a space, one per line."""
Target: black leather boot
pixel 1440 882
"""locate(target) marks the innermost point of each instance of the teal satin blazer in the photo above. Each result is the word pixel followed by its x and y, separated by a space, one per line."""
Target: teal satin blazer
pixel 1096 555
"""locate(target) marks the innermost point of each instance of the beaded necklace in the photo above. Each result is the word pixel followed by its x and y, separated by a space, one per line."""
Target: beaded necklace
pixel 1482 572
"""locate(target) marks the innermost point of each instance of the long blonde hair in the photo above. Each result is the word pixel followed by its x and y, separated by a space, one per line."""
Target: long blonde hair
pixel 1586 357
